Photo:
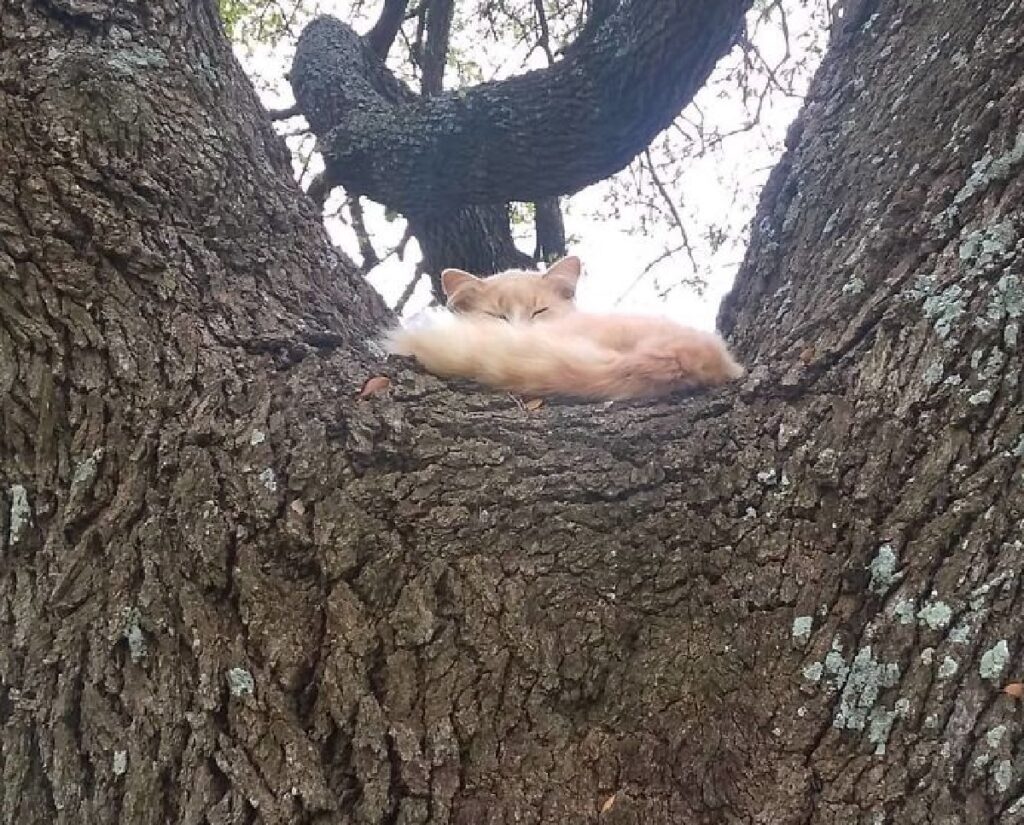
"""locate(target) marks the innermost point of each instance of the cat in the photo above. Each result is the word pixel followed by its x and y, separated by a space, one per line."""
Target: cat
pixel 521 332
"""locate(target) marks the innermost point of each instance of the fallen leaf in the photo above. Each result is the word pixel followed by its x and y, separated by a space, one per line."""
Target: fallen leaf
pixel 374 386
pixel 1015 689
pixel 534 404
pixel 608 803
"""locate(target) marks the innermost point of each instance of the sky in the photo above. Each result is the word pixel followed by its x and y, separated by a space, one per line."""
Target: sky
pixel 755 95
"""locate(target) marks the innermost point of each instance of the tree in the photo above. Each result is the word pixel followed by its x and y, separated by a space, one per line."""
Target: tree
pixel 234 591
pixel 658 196
pixel 622 82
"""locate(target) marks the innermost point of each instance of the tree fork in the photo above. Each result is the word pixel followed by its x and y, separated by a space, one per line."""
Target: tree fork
pixel 230 591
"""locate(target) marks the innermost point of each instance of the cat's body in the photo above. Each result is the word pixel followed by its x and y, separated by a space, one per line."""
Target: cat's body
pixel 521 332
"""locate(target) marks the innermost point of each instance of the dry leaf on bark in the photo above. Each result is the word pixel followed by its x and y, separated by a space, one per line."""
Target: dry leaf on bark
pixel 374 386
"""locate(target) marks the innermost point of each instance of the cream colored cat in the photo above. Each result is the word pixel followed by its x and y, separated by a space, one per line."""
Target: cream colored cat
pixel 521 332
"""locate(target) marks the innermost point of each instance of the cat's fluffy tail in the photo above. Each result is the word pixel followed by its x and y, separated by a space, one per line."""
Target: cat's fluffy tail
pixel 552 358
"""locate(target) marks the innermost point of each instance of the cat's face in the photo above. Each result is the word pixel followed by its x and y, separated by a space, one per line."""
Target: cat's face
pixel 516 296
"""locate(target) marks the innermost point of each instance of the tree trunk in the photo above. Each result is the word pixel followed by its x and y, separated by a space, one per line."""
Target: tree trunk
pixel 550 230
pixel 476 239
pixel 233 592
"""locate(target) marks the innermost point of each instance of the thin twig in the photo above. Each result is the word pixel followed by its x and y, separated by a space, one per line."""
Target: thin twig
pixel 284 114
pixel 544 41
pixel 667 253
pixel 670 204
pixel 366 250
pixel 410 288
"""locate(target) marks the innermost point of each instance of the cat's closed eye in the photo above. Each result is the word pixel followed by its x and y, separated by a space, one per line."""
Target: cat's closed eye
pixel 537 312
pixel 499 317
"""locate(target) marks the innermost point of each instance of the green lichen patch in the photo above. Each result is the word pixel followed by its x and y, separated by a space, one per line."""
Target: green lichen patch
pixel 883 569
pixel 989 245
pixel 994 661
pixel 935 615
pixel 21 514
pixel 866 679
pixel 991 169
pixel 945 308
pixel 240 681
pixel 802 626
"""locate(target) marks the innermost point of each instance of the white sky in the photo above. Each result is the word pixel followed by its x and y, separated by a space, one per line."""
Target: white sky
pixel 717 189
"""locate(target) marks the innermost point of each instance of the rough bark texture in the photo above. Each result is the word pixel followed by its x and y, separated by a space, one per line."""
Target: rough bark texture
pixel 231 592
pixel 541 134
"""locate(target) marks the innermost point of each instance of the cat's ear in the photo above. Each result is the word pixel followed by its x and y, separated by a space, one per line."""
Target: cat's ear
pixel 454 279
pixel 565 273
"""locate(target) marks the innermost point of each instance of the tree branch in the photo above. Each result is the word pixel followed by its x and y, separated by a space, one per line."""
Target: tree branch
pixel 366 250
pixel 284 114
pixel 381 37
pixel 549 225
pixel 543 133
pixel 676 218
pixel 410 288
pixel 319 189
pixel 435 47
pixel 544 41
pixel 550 228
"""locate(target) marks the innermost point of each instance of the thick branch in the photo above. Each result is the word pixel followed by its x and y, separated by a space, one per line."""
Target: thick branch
pixel 476 238
pixel 550 229
pixel 385 30
pixel 435 48
pixel 543 133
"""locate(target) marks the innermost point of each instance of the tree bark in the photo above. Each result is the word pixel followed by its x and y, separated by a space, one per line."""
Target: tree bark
pixel 231 591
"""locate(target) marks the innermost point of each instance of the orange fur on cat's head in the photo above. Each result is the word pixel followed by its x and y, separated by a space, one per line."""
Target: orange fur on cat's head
pixel 515 295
